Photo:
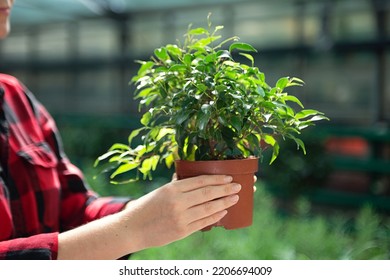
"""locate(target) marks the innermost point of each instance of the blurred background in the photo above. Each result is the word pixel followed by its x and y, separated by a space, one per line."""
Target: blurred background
pixel 77 57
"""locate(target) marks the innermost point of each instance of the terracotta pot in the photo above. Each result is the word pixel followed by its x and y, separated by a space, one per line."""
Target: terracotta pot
pixel 242 170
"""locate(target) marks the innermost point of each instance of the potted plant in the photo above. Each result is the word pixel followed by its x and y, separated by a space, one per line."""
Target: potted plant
pixel 201 105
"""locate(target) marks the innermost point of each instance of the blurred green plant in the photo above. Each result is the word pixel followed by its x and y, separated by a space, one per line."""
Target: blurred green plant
pixel 306 234
pixel 297 173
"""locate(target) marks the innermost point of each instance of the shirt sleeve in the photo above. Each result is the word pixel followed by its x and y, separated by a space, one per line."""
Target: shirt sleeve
pixel 79 204
pixel 41 246
pixel 37 247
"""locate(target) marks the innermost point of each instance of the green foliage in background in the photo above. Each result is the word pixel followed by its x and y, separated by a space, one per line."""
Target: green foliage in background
pixel 296 173
pixel 303 234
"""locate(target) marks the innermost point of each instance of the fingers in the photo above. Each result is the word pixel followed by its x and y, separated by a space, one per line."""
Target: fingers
pixel 203 200
pixel 210 208
pixel 254 182
pixel 209 204
pixel 208 193
pixel 202 223
pixel 193 183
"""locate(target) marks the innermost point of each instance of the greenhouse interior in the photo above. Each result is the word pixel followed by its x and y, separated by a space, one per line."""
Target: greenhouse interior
pixel 78 58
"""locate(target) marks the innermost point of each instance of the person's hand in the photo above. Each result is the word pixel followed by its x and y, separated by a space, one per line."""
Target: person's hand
pixel 179 208
pixel 174 177
pixel 167 214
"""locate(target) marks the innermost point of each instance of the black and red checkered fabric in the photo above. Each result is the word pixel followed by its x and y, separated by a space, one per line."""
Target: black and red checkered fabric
pixel 41 192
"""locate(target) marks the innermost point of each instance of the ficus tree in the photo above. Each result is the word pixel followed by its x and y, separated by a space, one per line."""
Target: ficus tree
pixel 200 102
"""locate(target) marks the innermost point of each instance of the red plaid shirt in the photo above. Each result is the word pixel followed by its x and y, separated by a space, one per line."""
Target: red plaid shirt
pixel 41 192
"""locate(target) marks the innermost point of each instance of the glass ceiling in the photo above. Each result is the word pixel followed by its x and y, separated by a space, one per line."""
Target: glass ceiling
pixel 45 11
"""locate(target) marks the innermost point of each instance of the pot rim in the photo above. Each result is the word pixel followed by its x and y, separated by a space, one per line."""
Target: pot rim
pixel 229 166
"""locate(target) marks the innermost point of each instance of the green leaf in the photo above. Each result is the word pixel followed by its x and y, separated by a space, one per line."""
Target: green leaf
pixel 182 117
pixel 210 58
pixel 188 59
pixel 119 146
pixel 178 68
pixel 275 152
pixel 300 143
pixel 318 118
pixel 222 120
pixel 293 99
pixel 224 54
pixel 124 168
pixel 105 156
pixel 248 56
pixel 261 91
pixel 296 81
pixel 154 132
pixel 306 113
pixel 169 160
pixel 122 158
pixel 270 140
pixel 142 81
pixel 175 50
pixel 236 123
pixel 164 131
pixel 198 31
pixel 147 165
pixel 124 182
pixel 145 66
pixel 154 161
pixel 134 134
pixel 282 83
pixel 218 27
pixel 146 118
pixel 162 54
pixel 203 119
pixel 241 46
pixel 144 93
pixel 202 43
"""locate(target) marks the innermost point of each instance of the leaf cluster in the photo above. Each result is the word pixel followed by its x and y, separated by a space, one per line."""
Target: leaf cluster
pixel 201 103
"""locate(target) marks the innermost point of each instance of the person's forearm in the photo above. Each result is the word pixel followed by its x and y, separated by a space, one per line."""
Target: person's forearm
pixel 165 215
pixel 106 238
